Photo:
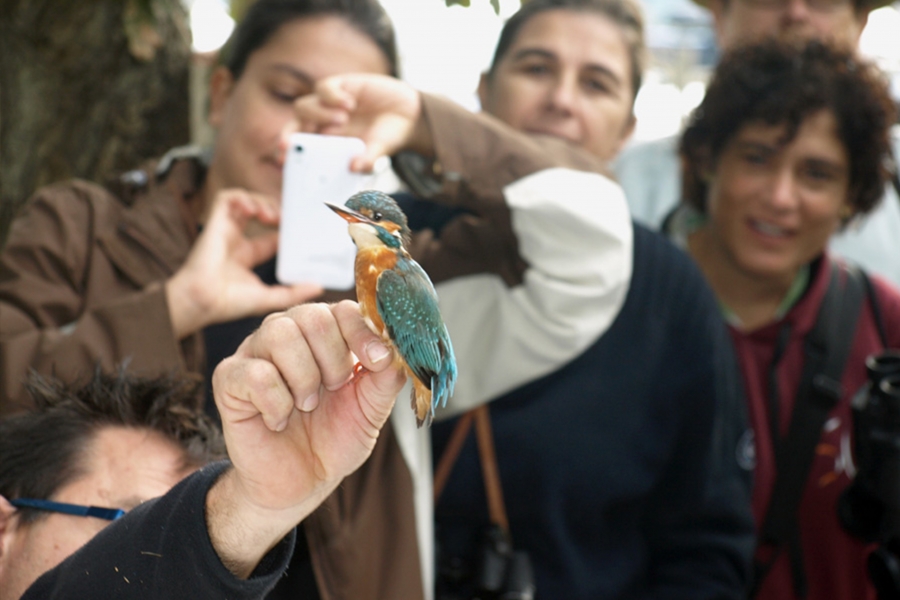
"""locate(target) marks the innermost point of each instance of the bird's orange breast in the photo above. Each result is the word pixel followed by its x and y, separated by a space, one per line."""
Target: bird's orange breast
pixel 370 263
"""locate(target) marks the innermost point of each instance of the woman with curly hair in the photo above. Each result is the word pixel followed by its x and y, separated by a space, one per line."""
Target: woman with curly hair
pixel 790 143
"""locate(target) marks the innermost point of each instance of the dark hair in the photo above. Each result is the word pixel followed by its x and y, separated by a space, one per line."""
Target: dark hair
pixel 265 17
pixel 43 450
pixel 783 83
pixel 626 14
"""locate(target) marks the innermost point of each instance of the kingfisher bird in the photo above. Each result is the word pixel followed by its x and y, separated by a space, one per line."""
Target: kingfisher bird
pixel 397 299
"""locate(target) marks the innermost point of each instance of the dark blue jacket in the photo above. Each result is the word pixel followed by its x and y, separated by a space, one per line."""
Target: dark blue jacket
pixel 622 471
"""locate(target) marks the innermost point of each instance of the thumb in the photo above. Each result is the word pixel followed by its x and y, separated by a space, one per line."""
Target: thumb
pixel 365 162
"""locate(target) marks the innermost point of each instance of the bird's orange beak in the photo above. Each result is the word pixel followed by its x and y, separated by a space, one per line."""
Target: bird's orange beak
pixel 351 216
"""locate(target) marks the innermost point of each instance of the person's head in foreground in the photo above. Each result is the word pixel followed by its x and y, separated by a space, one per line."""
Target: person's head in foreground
pixel 840 22
pixel 112 443
pixel 790 143
pixel 570 69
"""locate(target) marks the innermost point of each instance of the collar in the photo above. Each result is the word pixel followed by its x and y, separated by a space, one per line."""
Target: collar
pixel 157 216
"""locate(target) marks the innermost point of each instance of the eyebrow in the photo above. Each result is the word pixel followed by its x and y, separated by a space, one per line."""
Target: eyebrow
pixel 598 68
pixel 758 145
pixel 773 148
pixel 293 72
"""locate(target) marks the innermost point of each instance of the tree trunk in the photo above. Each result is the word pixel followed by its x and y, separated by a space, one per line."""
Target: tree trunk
pixel 87 89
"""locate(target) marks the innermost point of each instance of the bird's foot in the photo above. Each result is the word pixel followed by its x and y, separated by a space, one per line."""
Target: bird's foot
pixel 359 371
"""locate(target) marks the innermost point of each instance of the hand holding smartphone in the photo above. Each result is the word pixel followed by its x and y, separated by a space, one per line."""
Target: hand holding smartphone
pixel 313 245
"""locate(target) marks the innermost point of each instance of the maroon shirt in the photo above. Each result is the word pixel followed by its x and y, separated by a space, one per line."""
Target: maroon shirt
pixel 835 562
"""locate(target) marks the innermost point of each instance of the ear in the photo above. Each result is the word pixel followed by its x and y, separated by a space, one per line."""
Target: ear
pixel 483 83
pixel 7 511
pixel 627 132
pixel 718 8
pixel 862 18
pixel 221 84
pixel 848 212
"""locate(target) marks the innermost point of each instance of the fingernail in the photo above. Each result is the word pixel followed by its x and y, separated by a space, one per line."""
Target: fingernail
pixel 310 403
pixel 376 351
pixel 282 426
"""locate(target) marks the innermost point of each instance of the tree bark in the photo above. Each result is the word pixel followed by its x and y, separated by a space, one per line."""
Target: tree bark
pixel 87 89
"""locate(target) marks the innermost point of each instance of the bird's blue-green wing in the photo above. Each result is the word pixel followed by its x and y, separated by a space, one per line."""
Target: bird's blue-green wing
pixel 407 303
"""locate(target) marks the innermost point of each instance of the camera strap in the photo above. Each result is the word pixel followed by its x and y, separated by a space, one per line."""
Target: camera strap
pixel 481 416
pixel 826 348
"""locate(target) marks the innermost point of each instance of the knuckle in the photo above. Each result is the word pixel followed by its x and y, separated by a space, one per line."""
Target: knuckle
pixel 260 374
pixel 318 320
pixel 278 327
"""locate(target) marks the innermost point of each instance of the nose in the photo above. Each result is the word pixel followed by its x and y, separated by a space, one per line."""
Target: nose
pixel 796 11
pixel 563 94
pixel 783 194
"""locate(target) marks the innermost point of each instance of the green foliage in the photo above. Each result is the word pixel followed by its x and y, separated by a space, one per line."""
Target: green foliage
pixel 494 3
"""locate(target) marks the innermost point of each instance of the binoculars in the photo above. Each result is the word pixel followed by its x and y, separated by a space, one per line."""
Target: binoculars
pixel 499 573
pixel 870 507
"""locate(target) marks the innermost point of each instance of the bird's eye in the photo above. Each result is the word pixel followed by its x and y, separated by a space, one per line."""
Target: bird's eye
pixel 377 216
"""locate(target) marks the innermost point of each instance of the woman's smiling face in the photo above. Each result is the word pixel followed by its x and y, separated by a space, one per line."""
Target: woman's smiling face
pixel 772 205
pixel 567 74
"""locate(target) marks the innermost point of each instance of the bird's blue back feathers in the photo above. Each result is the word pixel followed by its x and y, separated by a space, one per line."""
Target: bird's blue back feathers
pixel 408 305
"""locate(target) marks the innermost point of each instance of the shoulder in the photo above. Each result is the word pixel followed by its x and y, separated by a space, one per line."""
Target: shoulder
pixel 661 266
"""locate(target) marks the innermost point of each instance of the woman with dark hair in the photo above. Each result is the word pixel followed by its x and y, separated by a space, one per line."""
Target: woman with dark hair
pixel 161 271
pixel 147 269
pixel 789 144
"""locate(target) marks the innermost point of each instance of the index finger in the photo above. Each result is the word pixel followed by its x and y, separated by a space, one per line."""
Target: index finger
pixel 368 347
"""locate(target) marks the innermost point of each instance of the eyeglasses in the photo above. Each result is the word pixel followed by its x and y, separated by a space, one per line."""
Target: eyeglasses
pixel 816 5
pixel 110 514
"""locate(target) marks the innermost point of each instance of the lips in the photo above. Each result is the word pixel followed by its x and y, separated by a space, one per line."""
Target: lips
pixel 769 229
pixel 555 132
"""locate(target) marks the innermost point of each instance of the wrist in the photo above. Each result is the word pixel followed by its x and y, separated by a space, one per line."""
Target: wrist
pixel 420 139
pixel 187 311
pixel 241 531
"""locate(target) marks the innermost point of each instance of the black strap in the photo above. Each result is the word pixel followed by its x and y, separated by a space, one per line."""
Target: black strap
pixel 826 348
pixel 876 307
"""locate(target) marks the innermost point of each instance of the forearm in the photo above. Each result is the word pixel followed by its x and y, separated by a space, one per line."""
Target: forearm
pixel 75 293
pixel 578 246
pixel 541 265
pixel 134 327
pixel 477 155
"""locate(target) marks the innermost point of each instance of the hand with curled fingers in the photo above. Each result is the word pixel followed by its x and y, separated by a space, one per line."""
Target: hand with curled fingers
pixel 296 422
pixel 217 284
pixel 383 111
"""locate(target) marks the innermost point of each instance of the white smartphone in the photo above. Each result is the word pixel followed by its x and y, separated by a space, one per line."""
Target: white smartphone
pixel 313 242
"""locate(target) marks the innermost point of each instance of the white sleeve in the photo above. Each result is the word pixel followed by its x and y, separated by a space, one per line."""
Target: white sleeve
pixel 575 233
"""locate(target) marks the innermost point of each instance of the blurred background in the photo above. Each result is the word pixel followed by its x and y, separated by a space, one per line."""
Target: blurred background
pixel 95 87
